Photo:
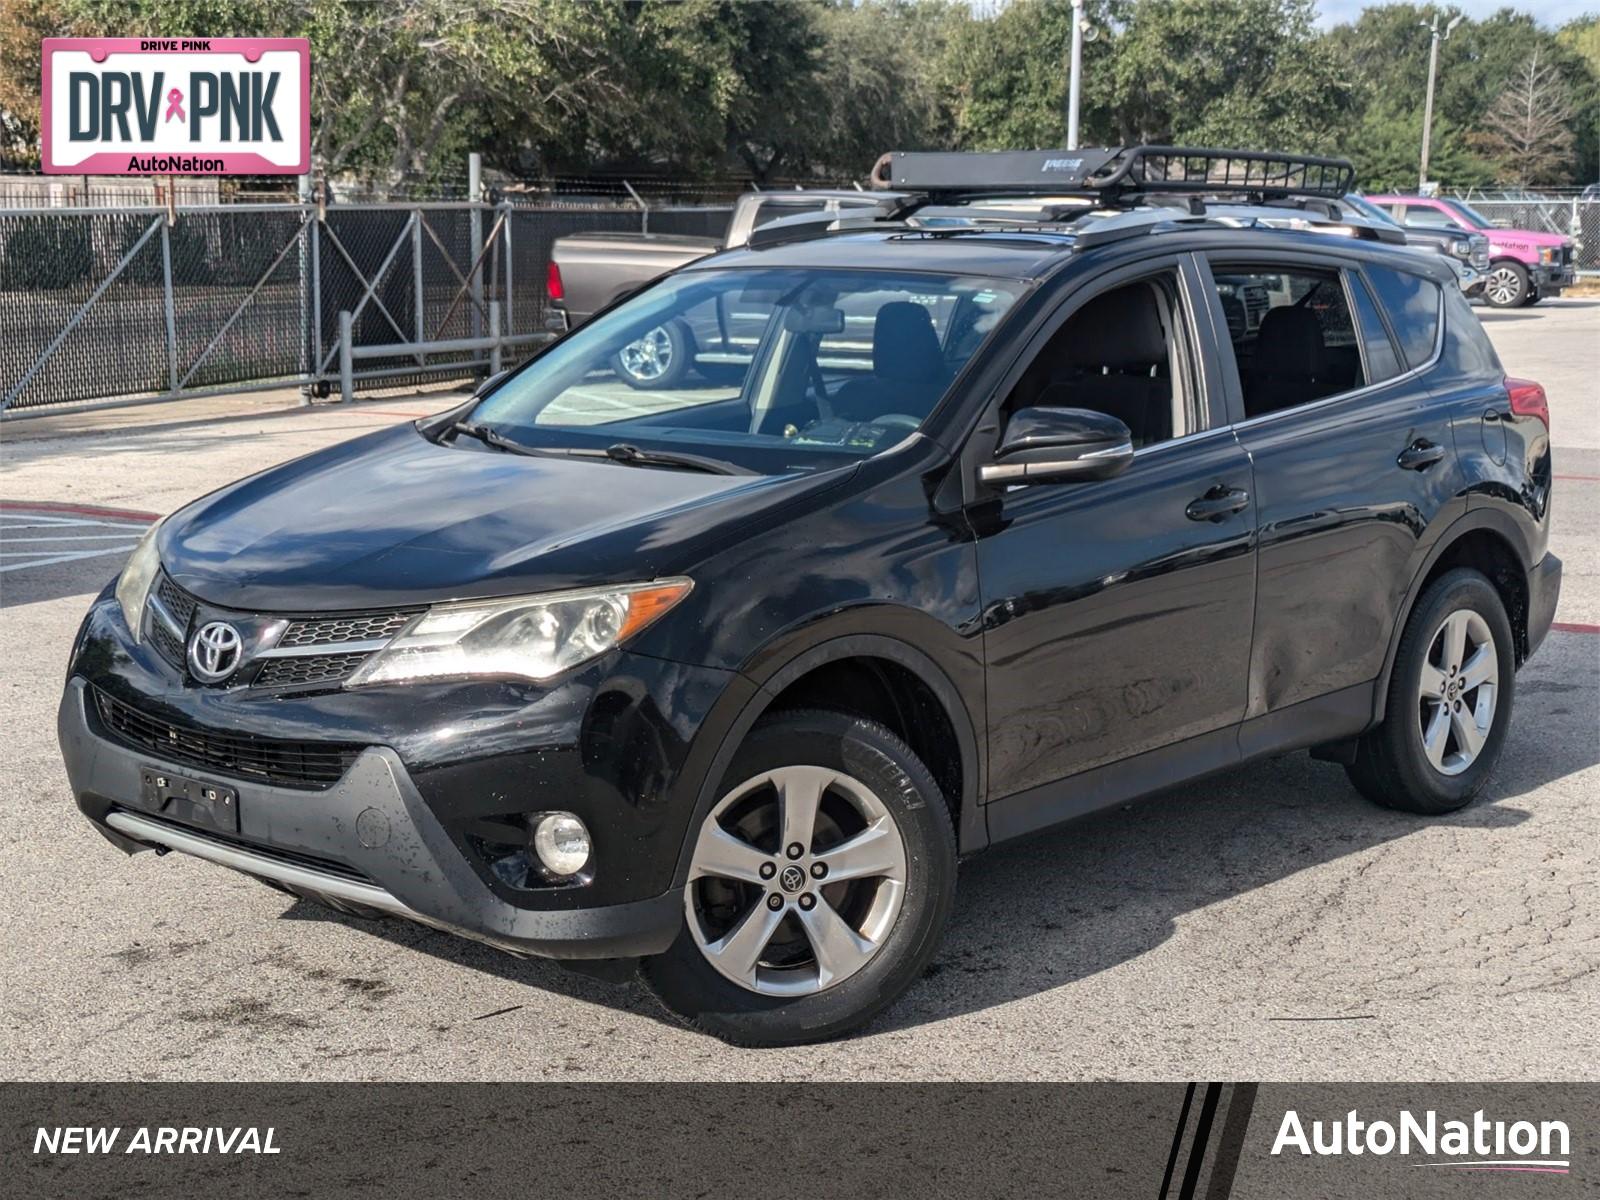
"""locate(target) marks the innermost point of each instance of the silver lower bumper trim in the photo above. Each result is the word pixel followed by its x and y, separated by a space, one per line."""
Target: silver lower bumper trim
pixel 291 875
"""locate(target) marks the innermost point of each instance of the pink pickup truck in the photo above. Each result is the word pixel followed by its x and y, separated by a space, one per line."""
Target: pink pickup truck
pixel 1524 266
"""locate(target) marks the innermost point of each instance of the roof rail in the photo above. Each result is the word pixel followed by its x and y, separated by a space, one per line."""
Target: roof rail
pixel 1115 174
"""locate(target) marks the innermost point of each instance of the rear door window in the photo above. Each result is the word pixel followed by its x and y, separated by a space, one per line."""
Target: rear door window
pixel 1412 305
pixel 1294 337
pixel 1382 361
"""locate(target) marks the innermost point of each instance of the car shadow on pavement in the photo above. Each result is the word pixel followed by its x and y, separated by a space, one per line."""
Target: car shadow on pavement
pixel 1044 912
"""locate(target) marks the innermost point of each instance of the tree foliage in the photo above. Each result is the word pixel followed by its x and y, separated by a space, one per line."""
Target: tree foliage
pixel 814 88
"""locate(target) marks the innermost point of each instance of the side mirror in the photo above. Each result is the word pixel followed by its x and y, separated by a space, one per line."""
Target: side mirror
pixel 1059 444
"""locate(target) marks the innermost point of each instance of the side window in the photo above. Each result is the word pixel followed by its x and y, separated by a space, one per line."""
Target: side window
pixel 1294 339
pixel 1124 352
pixel 1382 362
pixel 1413 307
pixel 1429 218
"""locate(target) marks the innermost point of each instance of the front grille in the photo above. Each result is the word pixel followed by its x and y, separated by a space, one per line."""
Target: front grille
pixel 286 763
pixel 310 668
pixel 176 601
pixel 324 631
pixel 164 640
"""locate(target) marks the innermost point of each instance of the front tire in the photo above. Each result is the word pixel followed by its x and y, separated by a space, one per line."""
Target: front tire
pixel 1449 702
pixel 1508 285
pixel 819 887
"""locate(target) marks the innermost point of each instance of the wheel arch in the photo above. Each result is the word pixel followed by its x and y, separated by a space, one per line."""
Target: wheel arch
pixel 1489 542
pixel 781 682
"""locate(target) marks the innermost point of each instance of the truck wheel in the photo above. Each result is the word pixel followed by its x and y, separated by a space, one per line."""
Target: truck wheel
pixel 1449 701
pixel 659 359
pixel 1508 284
pixel 819 885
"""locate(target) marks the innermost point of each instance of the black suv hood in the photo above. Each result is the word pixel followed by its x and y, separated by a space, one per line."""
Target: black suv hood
pixel 393 519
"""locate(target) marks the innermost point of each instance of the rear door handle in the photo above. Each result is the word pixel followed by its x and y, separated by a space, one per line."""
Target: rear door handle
pixel 1420 455
pixel 1218 504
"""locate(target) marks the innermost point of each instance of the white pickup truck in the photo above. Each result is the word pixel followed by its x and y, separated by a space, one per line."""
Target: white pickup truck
pixel 589 271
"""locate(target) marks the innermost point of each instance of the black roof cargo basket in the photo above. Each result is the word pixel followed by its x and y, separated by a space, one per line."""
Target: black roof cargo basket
pixel 1115 174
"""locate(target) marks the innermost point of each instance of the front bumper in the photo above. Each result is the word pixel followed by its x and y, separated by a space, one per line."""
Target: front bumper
pixel 1544 590
pixel 1550 278
pixel 369 840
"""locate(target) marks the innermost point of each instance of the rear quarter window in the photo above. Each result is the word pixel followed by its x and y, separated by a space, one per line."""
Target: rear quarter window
pixel 1412 305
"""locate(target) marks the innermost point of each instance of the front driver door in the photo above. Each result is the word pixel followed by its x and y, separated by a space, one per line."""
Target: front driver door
pixel 1118 612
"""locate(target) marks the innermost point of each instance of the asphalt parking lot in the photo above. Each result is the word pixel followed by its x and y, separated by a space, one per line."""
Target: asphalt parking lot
pixel 1266 924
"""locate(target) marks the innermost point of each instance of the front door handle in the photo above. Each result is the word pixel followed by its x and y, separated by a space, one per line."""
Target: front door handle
pixel 1420 455
pixel 1218 504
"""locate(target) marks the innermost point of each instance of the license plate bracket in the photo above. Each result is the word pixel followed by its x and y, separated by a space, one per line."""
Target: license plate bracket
pixel 190 801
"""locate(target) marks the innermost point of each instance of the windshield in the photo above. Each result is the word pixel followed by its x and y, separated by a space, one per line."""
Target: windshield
pixel 1370 210
pixel 771 370
pixel 1475 218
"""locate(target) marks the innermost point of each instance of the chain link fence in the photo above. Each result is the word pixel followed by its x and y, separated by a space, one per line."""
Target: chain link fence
pixel 115 303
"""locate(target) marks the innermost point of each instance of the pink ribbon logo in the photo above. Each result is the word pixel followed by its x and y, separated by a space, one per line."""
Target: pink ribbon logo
pixel 175 105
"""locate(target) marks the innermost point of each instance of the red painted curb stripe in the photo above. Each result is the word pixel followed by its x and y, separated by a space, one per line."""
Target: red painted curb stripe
pixel 76 510
pixel 1569 627
pixel 1581 478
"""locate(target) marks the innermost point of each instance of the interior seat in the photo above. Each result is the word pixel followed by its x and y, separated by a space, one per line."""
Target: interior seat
pixel 1113 355
pixel 1291 362
pixel 908 370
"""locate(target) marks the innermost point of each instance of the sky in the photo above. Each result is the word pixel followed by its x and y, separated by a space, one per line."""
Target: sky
pixel 1549 12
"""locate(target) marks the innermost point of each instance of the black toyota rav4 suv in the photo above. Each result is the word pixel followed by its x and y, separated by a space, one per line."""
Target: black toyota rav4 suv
pixel 1041 490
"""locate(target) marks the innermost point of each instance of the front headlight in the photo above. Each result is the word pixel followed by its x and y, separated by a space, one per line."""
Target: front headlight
pixel 1461 249
pixel 530 637
pixel 1547 255
pixel 134 584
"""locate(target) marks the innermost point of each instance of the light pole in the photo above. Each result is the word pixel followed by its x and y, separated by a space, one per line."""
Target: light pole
pixel 1433 73
pixel 1082 31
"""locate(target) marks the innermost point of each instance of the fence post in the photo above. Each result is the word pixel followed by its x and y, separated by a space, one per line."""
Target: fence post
pixel 511 289
pixel 494 332
pixel 475 195
pixel 303 198
pixel 644 209
pixel 416 272
pixel 347 385
pixel 316 278
pixel 167 301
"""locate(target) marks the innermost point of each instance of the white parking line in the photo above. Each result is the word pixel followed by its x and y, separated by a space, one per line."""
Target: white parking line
pixel 59 539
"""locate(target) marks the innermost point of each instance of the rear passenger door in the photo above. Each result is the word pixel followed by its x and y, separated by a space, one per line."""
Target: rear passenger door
pixel 1353 461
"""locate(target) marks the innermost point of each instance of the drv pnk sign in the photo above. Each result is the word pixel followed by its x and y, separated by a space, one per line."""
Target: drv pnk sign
pixel 177 106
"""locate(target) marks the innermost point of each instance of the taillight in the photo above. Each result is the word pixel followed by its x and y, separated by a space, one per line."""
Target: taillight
pixel 1528 399
pixel 552 283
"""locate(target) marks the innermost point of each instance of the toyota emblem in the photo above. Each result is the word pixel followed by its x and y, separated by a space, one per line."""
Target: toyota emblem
pixel 215 651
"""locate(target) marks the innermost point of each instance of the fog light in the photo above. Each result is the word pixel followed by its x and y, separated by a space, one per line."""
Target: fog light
pixel 562 843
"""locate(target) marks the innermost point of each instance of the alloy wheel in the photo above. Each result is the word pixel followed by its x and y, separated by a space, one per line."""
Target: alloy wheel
pixel 1458 692
pixel 797 878
pixel 1504 287
pixel 650 357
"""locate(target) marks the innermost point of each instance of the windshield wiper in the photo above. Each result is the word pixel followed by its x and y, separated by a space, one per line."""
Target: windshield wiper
pixel 633 456
pixel 490 438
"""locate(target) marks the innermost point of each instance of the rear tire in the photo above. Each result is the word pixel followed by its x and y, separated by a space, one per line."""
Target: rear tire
pixel 659 358
pixel 879 816
pixel 1449 702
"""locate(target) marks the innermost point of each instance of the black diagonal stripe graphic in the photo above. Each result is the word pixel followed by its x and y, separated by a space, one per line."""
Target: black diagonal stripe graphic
pixel 1198 1146
pixel 1177 1141
pixel 1231 1144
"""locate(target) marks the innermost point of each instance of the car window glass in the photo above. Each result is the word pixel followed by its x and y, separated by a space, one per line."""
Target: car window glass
pixel 1124 353
pixel 1413 307
pixel 775 370
pixel 1382 362
pixel 1294 340
pixel 1429 218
